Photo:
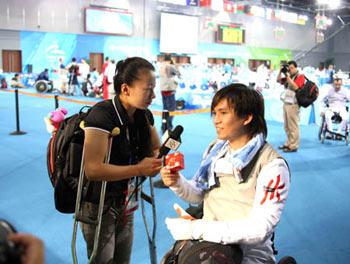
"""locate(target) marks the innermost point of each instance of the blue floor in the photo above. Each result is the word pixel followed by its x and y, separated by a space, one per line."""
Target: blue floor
pixel 314 227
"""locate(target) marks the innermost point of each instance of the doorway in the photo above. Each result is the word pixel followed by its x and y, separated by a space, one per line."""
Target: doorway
pixel 12 60
pixel 96 61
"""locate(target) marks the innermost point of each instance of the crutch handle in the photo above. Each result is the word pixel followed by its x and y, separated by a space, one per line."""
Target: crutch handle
pixel 86 220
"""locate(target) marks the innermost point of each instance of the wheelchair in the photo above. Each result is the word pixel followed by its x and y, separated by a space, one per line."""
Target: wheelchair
pixel 327 133
pixel 43 86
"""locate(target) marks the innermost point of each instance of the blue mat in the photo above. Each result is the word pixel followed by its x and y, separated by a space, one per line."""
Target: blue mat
pixel 314 226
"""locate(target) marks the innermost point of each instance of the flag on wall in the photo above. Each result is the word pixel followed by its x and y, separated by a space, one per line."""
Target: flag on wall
pixel 229 6
pixel 205 3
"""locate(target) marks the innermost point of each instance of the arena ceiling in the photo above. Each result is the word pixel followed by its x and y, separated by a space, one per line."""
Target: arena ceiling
pixel 310 6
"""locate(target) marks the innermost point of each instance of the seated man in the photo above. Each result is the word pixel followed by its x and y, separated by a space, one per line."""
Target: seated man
pixel 44 76
pixel 335 101
pixel 16 81
pixel 242 182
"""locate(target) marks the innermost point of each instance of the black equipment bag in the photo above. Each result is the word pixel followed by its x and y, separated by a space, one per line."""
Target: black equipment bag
pixel 307 94
pixel 64 154
pixel 195 251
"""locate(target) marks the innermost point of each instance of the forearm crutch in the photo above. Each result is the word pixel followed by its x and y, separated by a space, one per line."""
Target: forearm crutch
pixel 78 217
pixel 151 238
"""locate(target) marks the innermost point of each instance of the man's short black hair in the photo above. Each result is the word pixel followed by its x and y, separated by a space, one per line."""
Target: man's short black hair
pixel 293 62
pixel 244 101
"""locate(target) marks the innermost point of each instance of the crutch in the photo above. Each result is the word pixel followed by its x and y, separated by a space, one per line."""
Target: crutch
pixel 151 238
pixel 78 217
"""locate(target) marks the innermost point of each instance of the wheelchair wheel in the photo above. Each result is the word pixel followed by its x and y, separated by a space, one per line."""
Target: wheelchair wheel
pixel 287 260
pixel 322 131
pixel 41 86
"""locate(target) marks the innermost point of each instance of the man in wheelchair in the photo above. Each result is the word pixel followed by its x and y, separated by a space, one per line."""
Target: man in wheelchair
pixel 335 110
pixel 43 83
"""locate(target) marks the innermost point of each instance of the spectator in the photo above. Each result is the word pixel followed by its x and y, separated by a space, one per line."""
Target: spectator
pixel 168 85
pixel 109 73
pixel 16 81
pixel 73 70
pixel 104 80
pixel 62 76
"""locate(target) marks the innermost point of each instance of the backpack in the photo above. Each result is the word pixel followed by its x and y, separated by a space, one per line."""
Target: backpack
pixel 195 251
pixel 64 154
pixel 307 94
pixel 74 69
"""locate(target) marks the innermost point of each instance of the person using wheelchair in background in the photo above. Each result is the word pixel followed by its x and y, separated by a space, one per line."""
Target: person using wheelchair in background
pixel 43 83
pixel 335 110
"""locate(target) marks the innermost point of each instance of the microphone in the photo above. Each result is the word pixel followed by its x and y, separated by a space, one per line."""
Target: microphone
pixel 171 141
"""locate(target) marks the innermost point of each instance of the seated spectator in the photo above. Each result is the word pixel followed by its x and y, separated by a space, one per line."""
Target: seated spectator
pixel 3 83
pixel 86 87
pixel 335 101
pixel 97 86
pixel 16 81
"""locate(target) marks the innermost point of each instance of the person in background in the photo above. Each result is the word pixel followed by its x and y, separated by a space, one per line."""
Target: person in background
pixel 94 75
pixel 335 100
pixel 86 87
pixel 44 75
pixel 62 76
pixel 168 85
pixel 109 73
pixel 290 78
pixel 133 153
pixel 73 70
pixel 330 72
pixel 242 181
pixel 105 81
pixel 16 81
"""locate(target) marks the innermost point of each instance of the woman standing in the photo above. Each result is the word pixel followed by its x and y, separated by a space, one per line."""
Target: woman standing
pixel 133 154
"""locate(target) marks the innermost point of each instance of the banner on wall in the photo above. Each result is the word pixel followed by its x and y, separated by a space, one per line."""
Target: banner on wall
pixel 192 2
pixel 120 4
pixel 175 2
pixel 108 21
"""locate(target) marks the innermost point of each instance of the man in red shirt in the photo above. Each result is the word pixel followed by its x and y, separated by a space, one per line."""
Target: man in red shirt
pixel 292 80
pixel 105 79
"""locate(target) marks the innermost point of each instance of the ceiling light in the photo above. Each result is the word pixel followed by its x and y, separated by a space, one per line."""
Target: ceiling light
pixel 334 4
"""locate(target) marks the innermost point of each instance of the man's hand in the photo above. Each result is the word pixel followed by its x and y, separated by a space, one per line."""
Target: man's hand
pixel 180 229
pixel 182 213
pixel 169 178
